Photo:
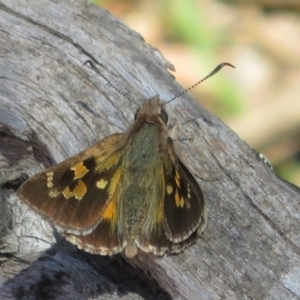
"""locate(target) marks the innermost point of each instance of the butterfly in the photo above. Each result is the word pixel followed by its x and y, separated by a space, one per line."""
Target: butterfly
pixel 129 192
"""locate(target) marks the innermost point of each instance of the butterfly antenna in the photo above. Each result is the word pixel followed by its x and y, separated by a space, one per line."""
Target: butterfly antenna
pixel 216 70
pixel 93 66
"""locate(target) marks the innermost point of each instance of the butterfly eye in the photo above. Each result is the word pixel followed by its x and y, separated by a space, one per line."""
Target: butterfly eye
pixel 164 116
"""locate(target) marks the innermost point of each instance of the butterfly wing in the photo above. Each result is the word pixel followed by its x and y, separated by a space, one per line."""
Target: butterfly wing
pixel 105 239
pixel 184 203
pixel 178 212
pixel 65 193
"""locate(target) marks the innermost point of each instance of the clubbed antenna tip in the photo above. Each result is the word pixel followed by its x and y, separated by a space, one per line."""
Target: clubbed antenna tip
pixel 213 72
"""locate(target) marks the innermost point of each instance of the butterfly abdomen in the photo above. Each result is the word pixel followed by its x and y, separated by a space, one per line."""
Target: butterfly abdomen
pixel 142 186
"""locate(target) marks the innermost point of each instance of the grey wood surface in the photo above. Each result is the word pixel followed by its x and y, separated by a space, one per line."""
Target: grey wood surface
pixel 52 107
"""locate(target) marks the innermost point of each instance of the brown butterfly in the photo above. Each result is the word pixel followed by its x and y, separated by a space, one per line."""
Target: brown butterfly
pixel 127 192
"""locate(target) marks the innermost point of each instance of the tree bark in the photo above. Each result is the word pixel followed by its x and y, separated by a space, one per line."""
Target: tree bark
pixel 52 107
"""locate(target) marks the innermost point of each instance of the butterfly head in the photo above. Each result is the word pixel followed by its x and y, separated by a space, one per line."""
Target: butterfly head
pixel 152 111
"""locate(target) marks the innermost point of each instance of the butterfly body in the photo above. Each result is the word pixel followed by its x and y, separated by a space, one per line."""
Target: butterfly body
pixel 142 188
pixel 127 192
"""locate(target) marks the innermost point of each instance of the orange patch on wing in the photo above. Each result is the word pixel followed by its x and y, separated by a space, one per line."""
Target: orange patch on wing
pixel 182 202
pixel 80 190
pixel 177 179
pixel 110 210
pixel 115 181
pixel 179 201
pixel 79 170
pixel 67 193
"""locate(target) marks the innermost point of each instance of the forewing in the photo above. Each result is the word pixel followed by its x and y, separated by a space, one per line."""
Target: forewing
pixel 76 194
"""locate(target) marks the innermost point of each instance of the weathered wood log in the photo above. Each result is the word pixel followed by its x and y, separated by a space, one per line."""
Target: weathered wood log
pixel 52 107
